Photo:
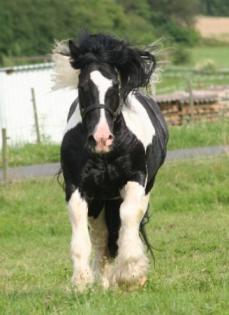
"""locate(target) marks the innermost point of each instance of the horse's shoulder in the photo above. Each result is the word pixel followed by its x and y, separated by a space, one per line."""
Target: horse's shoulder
pixel 138 120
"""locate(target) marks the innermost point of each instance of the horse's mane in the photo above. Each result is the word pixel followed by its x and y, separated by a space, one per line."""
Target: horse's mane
pixel 135 66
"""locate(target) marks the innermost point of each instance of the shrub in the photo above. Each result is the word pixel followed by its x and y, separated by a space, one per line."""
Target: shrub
pixel 181 55
pixel 207 66
pixel 182 34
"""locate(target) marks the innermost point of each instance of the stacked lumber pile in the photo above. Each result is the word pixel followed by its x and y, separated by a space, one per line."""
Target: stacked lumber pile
pixel 181 107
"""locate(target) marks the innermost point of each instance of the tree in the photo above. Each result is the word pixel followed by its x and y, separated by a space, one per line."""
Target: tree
pixel 215 7
pixel 30 27
pixel 181 12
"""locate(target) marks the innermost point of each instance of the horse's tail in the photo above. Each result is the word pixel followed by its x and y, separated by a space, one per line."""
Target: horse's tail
pixel 143 233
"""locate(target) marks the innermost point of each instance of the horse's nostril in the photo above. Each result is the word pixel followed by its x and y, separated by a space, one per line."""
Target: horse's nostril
pixel 110 137
pixel 91 139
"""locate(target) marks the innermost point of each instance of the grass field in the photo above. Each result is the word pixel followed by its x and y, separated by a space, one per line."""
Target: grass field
pixel 189 227
pixel 198 55
pixel 29 153
pixel 199 135
pixel 219 54
pixel 187 136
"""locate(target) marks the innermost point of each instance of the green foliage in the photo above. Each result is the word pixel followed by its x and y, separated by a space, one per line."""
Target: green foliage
pixel 182 34
pixel 29 28
pixel 206 66
pixel 181 55
pixel 181 12
pixel 215 7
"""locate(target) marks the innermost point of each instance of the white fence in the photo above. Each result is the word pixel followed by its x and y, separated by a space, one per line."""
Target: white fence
pixel 16 108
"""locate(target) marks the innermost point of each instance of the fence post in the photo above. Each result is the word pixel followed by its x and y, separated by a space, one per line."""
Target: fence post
pixel 35 116
pixel 4 155
pixel 191 102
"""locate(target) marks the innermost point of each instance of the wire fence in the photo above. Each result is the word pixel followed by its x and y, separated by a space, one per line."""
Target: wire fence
pixel 178 78
pixel 29 109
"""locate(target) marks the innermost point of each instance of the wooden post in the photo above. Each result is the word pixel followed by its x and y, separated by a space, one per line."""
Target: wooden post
pixel 4 155
pixel 191 102
pixel 35 116
pixel 181 111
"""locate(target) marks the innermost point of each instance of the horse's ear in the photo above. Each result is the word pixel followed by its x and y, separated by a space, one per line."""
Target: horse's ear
pixel 74 54
pixel 73 48
pixel 135 67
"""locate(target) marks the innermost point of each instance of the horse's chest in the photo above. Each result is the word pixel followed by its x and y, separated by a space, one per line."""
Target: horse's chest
pixel 102 179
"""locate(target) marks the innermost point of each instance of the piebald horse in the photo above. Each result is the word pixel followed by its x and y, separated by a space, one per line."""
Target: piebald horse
pixel 113 146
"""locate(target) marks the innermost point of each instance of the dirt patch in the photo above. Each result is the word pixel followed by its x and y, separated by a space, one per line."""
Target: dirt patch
pixel 213 27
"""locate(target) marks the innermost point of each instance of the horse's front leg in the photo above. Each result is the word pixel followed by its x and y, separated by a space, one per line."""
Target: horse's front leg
pixel 80 243
pixel 131 264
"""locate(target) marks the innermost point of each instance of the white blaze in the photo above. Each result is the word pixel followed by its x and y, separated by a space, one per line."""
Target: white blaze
pixel 103 84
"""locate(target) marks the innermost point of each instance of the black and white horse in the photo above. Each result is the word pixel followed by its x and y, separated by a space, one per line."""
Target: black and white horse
pixel 113 146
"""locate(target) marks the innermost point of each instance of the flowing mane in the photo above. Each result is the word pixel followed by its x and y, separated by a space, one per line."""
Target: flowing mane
pixel 135 66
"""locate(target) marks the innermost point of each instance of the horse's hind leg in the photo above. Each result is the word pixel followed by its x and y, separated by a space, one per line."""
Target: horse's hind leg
pixel 98 232
pixel 112 219
pixel 113 223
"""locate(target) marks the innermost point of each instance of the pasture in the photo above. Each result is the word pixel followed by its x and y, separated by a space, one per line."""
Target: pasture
pixel 188 228
pixel 176 78
pixel 219 54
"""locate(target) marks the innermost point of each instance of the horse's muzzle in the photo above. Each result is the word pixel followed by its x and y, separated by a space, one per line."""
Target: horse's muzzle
pixel 102 143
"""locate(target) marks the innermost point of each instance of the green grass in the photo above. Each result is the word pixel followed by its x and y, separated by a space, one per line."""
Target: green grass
pixel 219 54
pixel 171 83
pixel 199 135
pixel 199 54
pixel 189 227
pixel 32 154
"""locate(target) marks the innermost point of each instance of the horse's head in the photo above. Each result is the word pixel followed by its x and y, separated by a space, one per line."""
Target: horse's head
pixel 108 70
pixel 99 102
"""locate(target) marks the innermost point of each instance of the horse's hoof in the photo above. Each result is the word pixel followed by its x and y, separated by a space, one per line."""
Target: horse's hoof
pixel 132 284
pixel 82 281
pixel 129 275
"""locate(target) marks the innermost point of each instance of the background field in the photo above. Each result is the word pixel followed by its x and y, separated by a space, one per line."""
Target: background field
pixel 176 77
pixel 188 227
pixel 219 54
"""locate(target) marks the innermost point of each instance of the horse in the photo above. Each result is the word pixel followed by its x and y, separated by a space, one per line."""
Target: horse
pixel 113 146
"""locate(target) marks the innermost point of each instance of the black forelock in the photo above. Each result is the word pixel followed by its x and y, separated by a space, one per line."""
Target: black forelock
pixel 135 65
